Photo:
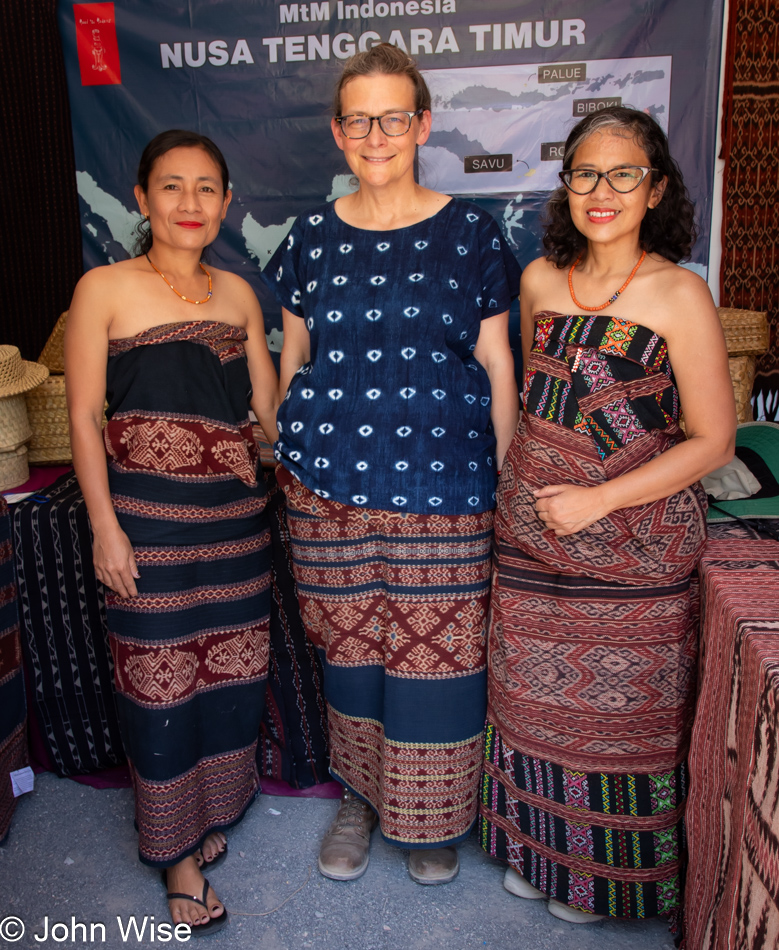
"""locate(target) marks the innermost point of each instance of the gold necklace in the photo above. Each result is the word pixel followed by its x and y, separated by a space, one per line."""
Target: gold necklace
pixel 603 306
pixel 204 300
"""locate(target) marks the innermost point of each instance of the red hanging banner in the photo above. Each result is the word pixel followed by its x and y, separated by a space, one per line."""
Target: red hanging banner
pixel 98 49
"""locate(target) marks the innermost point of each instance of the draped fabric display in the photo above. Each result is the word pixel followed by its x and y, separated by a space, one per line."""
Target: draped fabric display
pixel 39 216
pixel 750 145
pixel 13 715
pixel 733 808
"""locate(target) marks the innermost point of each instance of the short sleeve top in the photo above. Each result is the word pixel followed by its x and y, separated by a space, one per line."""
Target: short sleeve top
pixel 393 411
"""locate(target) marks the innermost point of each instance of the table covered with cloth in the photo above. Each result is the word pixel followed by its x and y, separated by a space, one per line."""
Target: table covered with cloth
pixel 732 891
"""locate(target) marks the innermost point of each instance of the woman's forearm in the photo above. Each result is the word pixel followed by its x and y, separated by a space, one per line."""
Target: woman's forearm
pixel 89 462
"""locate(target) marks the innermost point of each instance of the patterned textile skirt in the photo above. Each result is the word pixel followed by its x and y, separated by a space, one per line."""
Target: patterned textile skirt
pixel 591 692
pixel 191 655
pixel 397 605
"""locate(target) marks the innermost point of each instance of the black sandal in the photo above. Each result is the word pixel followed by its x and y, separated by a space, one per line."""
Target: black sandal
pixel 198 930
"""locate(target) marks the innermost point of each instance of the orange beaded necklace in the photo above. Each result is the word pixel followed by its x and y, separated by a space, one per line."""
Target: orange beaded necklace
pixel 204 300
pixel 611 300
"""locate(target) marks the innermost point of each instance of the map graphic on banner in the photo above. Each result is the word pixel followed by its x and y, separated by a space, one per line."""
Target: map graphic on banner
pixel 509 79
pixel 502 120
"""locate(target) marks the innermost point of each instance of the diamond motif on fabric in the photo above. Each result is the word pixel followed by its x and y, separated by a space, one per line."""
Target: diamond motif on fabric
pixel 162 446
pixel 163 676
pixel 423 659
pixel 618 337
pixel 576 789
pixel 235 457
pixel 244 655
pixel 579 840
pixel 623 420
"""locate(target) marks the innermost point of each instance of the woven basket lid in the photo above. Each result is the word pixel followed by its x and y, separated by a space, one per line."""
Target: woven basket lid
pixel 18 375
pixel 14 469
pixel 15 427
pixel 53 354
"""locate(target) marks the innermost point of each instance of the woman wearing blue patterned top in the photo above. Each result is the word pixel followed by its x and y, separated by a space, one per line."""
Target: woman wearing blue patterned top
pixel 400 404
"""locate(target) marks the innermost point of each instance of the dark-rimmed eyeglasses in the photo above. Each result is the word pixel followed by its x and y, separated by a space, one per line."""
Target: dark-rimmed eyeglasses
pixel 623 178
pixel 392 123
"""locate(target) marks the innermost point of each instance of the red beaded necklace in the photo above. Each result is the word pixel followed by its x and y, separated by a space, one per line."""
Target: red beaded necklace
pixel 611 300
pixel 204 300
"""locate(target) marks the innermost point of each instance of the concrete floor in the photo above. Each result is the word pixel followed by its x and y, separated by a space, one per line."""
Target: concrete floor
pixel 71 856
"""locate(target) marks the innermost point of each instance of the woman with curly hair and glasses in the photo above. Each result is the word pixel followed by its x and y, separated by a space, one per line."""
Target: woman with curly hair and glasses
pixel 599 525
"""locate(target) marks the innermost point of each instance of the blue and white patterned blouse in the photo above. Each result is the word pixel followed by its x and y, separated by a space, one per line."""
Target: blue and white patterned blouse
pixel 393 411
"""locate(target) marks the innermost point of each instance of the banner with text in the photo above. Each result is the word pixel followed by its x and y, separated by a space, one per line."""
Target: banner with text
pixel 509 78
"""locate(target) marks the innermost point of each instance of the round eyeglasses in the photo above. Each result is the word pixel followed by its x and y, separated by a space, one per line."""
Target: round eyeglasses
pixel 391 123
pixel 623 178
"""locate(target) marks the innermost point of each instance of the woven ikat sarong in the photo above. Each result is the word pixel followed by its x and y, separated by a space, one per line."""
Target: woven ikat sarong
pixel 191 650
pixel 397 605
pixel 592 636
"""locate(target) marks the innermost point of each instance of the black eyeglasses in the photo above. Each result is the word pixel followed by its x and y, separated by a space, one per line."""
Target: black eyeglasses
pixel 623 178
pixel 359 126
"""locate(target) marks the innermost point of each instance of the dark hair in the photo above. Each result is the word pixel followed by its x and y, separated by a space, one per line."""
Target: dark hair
pixel 159 145
pixel 386 60
pixel 669 229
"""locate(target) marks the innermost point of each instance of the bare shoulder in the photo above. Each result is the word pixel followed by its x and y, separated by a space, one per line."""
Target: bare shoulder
pixel 684 299
pixel 108 276
pixel 234 285
pixel 236 294
pixel 538 278
pixel 98 293
pixel 539 270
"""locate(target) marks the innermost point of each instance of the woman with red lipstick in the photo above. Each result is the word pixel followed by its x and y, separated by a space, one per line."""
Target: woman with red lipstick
pixel 178 350
pixel 599 525
pixel 400 402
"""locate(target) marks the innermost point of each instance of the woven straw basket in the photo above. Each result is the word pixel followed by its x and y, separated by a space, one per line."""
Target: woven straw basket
pixel 746 331
pixel 14 424
pixel 747 336
pixel 48 414
pixel 13 468
pixel 742 375
pixel 53 355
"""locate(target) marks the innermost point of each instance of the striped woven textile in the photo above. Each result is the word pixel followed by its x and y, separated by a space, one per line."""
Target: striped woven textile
pixel 732 893
pixel 397 605
pixel 191 650
pixel 13 713
pixel 592 643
